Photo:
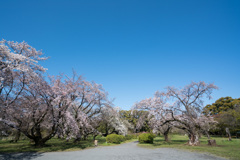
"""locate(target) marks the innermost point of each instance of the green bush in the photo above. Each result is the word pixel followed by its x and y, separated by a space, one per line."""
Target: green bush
pixel 146 138
pixel 122 138
pixel 131 136
pixel 154 135
pixel 114 138
pixel 128 137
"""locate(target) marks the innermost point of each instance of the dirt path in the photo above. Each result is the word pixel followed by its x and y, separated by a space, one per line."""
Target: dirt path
pixel 127 151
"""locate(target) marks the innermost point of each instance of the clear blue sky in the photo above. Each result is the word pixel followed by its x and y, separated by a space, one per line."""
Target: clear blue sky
pixel 133 47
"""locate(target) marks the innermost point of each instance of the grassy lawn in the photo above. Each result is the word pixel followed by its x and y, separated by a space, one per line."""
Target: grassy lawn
pixel 52 145
pixel 224 148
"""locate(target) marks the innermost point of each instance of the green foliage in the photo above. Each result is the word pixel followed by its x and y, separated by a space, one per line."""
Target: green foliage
pixel 133 116
pixel 226 112
pixel 105 128
pixel 229 119
pixel 114 138
pixel 131 136
pixel 146 138
pixel 122 138
pixel 221 105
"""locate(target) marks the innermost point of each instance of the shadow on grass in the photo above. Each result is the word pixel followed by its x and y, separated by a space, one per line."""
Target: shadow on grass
pixel 51 146
pixel 20 156
pixel 67 145
pixel 160 142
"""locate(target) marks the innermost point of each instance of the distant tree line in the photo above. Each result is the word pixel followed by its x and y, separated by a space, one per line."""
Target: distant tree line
pixel 226 111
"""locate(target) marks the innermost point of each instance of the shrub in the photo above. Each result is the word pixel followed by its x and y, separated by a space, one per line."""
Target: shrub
pixel 131 136
pixel 154 135
pixel 114 138
pixel 128 137
pixel 146 138
pixel 135 136
pixel 122 138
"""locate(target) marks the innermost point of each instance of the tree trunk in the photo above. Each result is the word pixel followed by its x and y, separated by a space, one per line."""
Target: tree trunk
pixel 94 137
pixel 193 139
pixel 229 134
pixel 38 138
pixel 212 142
pixel 166 137
pixel 78 138
pixel 39 142
pixel 17 136
pixel 166 133
pixel 106 131
pixel 206 132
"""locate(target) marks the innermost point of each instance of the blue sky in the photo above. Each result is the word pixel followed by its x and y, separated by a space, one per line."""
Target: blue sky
pixel 133 47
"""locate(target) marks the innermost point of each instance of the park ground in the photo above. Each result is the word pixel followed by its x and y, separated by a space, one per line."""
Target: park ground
pixel 224 148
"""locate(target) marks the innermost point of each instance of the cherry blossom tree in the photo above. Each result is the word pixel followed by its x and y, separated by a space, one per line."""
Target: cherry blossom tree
pixel 156 108
pixel 111 122
pixel 181 108
pixel 187 108
pixel 18 63
pixel 89 99
pixel 18 57
pixel 158 127
pixel 38 111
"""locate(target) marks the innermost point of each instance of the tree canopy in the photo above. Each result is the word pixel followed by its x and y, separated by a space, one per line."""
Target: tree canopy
pixel 221 105
pixel 226 112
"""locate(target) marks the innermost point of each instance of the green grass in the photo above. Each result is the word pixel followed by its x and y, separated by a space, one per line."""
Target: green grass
pixel 224 148
pixel 53 145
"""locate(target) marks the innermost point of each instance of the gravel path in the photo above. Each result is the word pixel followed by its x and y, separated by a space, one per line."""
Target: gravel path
pixel 127 151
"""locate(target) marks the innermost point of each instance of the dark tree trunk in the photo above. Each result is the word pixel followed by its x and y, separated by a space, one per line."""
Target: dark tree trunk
pixel 166 137
pixel 106 131
pixel 34 133
pixel 37 137
pixel 166 132
pixel 94 137
pixel 17 136
pixel 78 138
pixel 104 134
pixel 39 143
